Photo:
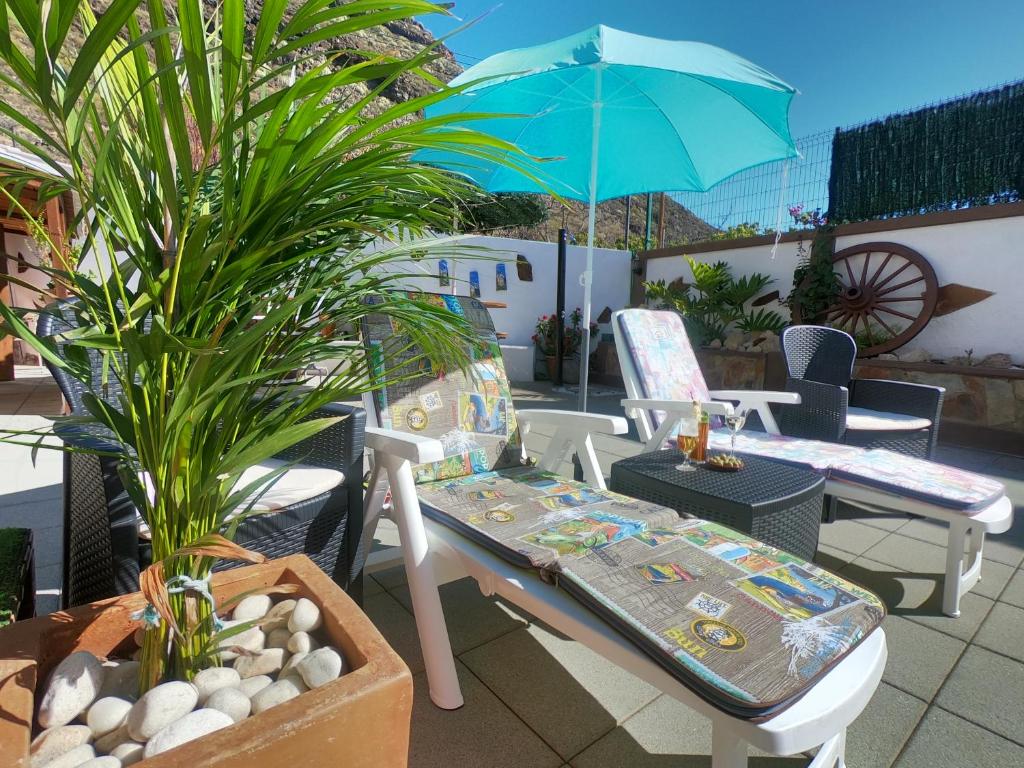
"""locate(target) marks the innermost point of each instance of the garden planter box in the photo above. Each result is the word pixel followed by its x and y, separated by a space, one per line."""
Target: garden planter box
pixel 360 720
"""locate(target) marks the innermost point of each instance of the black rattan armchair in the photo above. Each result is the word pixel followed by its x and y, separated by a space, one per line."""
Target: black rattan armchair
pixel 103 548
pixel 873 413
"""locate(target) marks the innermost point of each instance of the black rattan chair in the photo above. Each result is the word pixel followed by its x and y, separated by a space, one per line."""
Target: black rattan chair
pixel 103 549
pixel 872 413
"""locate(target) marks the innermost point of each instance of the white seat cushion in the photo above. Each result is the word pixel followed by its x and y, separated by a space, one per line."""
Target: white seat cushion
pixel 863 419
pixel 299 483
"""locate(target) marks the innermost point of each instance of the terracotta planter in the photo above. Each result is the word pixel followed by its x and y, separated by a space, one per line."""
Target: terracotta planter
pixel 360 720
pixel 551 361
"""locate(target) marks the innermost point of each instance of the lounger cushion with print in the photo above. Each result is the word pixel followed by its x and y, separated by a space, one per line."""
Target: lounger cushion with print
pixel 920 479
pixel 747 626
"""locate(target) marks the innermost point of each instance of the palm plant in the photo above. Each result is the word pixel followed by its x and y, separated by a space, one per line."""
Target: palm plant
pixel 716 302
pixel 229 224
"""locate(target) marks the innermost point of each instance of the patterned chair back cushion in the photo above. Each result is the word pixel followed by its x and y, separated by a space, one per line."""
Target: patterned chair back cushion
pixel 666 366
pixel 469 411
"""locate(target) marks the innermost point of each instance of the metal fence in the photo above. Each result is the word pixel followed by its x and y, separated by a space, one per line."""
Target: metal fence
pixel 759 199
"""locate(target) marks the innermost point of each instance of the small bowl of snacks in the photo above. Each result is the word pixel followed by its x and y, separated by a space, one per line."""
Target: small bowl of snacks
pixel 723 462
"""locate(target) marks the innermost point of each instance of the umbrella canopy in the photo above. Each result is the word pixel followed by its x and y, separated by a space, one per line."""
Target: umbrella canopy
pixel 612 114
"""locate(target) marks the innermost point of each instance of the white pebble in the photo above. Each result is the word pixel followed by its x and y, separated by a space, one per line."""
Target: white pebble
pixel 105 744
pixel 252 607
pixel 72 687
pixel 213 679
pixel 106 715
pixel 251 639
pixel 120 679
pixel 291 664
pixel 250 686
pixel 106 761
pixel 305 617
pixel 192 726
pixel 278 638
pixel 232 702
pixel 58 740
pixel 159 707
pixel 269 661
pixel 278 615
pixel 129 753
pixel 321 667
pixel 73 758
pixel 302 642
pixel 277 693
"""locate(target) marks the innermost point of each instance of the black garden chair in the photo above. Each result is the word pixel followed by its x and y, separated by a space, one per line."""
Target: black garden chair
pixel 872 413
pixel 317 505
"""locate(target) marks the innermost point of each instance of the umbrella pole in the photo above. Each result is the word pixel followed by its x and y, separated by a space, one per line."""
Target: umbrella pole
pixel 588 274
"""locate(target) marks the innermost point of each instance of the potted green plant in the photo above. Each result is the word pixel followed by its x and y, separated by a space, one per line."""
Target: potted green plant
pixel 239 188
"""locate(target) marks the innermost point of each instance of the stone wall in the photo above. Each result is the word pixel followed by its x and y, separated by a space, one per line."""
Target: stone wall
pixel 975 396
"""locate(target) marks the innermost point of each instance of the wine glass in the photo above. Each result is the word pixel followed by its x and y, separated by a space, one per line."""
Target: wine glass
pixel 687 444
pixel 735 422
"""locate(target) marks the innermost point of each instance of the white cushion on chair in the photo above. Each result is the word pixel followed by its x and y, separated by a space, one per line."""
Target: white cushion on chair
pixel 299 483
pixel 864 419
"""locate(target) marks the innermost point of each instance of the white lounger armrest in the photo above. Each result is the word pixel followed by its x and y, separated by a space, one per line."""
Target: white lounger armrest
pixel 758 400
pixel 594 423
pixel 414 448
pixel 677 406
pixel 751 395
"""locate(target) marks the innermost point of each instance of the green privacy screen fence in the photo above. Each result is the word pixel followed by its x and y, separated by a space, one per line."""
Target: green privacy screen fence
pixel 959 154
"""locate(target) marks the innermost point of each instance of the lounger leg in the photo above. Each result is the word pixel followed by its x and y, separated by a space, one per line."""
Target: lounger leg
pixel 953 588
pixel 727 749
pixel 832 753
pixel 426 602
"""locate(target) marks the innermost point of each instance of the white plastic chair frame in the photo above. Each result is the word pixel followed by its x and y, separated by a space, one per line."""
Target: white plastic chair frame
pixel 818 720
pixel 965 537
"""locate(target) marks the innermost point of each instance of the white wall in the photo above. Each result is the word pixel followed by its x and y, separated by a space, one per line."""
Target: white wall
pixel 985 254
pixel 527 301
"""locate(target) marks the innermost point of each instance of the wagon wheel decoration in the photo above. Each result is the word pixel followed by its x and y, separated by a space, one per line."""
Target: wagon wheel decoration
pixel 887 294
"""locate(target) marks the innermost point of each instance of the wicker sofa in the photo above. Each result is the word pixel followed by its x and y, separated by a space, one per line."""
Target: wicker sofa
pixel 314 508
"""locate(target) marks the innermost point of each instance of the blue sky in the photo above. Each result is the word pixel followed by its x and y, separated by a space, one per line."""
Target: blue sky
pixel 852 61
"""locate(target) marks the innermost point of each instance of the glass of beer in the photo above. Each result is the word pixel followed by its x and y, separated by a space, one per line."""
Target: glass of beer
pixel 687 444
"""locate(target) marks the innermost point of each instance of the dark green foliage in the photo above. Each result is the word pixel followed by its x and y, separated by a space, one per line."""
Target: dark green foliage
pixel 959 154
pixel 811 298
pixel 503 211
pixel 13 543
pixel 715 303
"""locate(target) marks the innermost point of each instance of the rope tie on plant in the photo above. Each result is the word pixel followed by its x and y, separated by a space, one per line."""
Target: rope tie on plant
pixel 149 616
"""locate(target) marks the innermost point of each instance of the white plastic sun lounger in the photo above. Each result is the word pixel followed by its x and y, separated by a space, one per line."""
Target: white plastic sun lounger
pixel 662 379
pixel 816 717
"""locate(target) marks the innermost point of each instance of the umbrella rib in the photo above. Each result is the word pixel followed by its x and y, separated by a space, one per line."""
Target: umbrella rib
pixel 668 120
pixel 702 79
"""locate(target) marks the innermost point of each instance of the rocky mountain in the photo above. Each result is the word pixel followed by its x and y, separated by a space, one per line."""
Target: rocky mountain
pixel 405 38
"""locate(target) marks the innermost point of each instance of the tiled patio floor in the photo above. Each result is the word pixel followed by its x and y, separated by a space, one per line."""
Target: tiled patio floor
pixel 952 694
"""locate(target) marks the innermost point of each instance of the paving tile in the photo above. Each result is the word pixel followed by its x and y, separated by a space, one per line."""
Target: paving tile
pixel 398 627
pixel 918 597
pixel 885 522
pixel 565 692
pixel 926 530
pixel 665 734
pixel 944 739
pixel 831 558
pixel 1002 631
pixel 909 554
pixel 851 536
pixel 472 618
pixel 920 658
pixel 1014 592
pixel 883 728
pixel 1008 547
pixel 390 578
pixel 483 732
pixel 371 586
pixel 987 689
pixel 994 578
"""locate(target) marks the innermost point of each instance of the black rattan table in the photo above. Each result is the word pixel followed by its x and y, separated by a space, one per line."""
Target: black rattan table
pixel 776 503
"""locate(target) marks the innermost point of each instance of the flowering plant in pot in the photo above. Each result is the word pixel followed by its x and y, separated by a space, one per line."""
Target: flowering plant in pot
pixel 231 172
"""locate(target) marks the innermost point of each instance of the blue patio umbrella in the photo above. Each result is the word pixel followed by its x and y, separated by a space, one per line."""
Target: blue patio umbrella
pixel 614 113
